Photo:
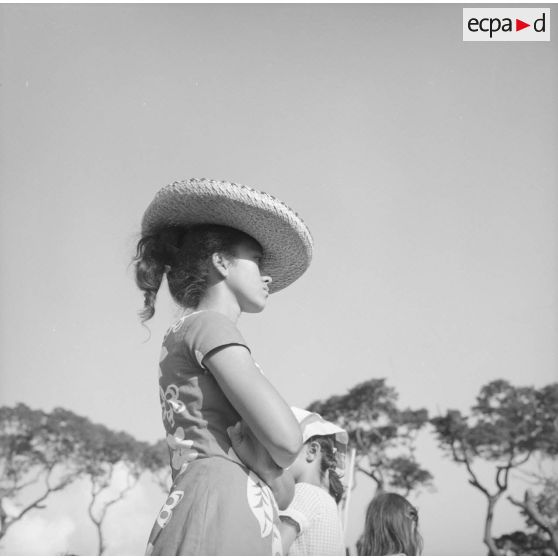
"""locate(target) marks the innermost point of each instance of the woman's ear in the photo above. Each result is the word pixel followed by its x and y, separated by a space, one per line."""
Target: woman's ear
pixel 220 263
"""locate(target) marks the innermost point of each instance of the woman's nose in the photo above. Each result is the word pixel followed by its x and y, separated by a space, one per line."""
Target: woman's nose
pixel 267 279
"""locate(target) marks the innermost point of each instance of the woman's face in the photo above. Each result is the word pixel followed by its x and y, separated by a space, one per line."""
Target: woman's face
pixel 244 279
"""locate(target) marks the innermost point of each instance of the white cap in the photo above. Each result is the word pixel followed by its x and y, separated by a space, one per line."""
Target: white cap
pixel 313 424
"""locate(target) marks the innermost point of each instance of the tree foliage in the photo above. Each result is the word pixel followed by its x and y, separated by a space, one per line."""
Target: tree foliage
pixel 383 434
pixel 520 543
pixel 156 460
pixel 41 453
pixel 540 511
pixel 507 426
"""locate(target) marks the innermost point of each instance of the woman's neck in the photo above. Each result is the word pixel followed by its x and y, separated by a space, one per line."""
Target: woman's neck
pixel 219 300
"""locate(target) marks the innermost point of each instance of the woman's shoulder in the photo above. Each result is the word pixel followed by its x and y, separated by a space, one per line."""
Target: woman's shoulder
pixel 201 319
pixel 204 331
pixel 205 316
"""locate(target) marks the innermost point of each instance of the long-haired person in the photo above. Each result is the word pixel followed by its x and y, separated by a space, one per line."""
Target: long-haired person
pixel 390 528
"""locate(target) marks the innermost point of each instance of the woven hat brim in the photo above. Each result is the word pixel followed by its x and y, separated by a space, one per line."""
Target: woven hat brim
pixel 285 239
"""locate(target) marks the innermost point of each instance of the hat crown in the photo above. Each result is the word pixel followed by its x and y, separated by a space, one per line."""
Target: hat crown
pixel 207 186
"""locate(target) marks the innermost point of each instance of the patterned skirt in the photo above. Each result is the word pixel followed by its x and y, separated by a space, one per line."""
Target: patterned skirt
pixel 217 507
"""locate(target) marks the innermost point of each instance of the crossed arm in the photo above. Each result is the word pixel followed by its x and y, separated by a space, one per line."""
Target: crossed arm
pixel 256 458
pixel 270 440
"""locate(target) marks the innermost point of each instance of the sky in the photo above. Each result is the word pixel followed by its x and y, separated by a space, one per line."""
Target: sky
pixel 424 166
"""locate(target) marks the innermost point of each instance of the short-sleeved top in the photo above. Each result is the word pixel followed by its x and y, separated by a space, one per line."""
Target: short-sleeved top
pixel 317 517
pixel 196 413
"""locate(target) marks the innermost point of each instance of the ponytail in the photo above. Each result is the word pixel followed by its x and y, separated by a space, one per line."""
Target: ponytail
pixel 156 254
pixel 336 488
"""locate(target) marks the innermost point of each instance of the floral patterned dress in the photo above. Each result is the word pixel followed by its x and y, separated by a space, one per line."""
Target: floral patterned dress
pixel 216 506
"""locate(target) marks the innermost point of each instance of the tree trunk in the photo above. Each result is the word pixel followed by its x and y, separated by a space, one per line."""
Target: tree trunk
pixel 3 521
pixel 101 548
pixel 554 539
pixel 488 538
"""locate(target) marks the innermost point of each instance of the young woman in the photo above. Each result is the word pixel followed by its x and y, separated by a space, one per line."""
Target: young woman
pixel 391 528
pixel 223 248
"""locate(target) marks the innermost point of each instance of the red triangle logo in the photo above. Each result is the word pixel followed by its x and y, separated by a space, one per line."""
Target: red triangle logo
pixel 519 25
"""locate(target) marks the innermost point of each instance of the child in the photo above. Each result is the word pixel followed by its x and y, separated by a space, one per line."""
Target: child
pixel 311 525
pixel 223 248
pixel 391 528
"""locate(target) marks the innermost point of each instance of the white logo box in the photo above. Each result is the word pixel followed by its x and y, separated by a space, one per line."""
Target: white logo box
pixel 499 24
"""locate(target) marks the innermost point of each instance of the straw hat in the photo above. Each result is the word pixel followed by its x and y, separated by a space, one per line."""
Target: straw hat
pixel 285 239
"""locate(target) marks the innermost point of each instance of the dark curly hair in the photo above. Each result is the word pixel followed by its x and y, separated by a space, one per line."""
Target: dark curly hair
pixel 329 464
pixel 184 254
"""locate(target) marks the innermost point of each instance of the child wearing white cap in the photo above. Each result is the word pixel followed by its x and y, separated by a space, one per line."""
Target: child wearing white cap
pixel 311 526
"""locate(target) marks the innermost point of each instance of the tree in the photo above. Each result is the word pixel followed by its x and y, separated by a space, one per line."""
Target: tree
pixel 115 462
pixel 507 426
pixel 383 435
pixel 42 453
pixel 38 456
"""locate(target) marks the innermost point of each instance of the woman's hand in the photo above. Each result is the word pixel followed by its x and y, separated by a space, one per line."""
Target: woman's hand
pixel 257 458
pixel 252 453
